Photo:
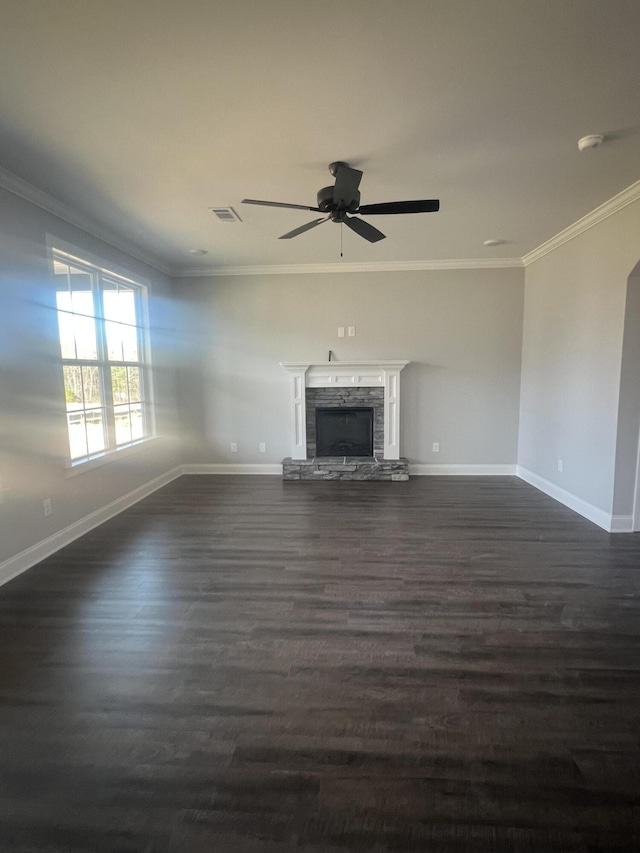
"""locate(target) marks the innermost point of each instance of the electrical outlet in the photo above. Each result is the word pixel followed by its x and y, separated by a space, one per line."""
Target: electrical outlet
pixel 351 331
pixel 234 447
pixel 47 505
pixel 341 331
pixel 560 466
pixel 263 447
pixel 436 447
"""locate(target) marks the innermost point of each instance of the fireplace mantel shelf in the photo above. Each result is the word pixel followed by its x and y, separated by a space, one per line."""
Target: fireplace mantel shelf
pixel 360 374
pixel 393 364
pixel 398 364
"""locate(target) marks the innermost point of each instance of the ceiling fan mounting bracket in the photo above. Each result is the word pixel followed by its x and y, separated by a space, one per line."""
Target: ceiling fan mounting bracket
pixel 337 164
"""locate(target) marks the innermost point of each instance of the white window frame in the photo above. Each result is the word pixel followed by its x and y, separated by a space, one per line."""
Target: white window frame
pixel 102 273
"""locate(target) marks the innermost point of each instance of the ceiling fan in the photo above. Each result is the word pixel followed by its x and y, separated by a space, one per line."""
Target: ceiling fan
pixel 342 200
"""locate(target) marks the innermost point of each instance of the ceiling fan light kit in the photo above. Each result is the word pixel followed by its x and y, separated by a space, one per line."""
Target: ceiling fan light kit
pixel 342 204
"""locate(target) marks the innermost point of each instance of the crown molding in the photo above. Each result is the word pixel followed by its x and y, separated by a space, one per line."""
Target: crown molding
pixel 374 266
pixel 618 202
pixel 43 200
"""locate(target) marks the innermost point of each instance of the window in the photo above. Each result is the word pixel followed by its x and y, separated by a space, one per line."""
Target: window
pixel 103 343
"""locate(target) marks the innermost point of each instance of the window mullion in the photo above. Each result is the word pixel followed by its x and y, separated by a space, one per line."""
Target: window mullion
pixel 143 362
pixel 103 365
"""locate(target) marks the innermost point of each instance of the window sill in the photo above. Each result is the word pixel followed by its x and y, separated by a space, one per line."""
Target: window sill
pixel 97 461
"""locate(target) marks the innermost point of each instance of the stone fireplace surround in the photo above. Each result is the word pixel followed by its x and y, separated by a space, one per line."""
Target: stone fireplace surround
pixel 330 398
pixel 336 383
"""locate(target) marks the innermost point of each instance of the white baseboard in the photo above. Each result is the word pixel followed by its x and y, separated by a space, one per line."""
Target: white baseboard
pixel 14 566
pixel 621 524
pixel 420 470
pixel 592 513
pixel 231 468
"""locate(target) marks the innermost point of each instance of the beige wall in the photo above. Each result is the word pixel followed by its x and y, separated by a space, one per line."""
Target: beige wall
pixel 461 330
pixel 33 438
pixel 574 320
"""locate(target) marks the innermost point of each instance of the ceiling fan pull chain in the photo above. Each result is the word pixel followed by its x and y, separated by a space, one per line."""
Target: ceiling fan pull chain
pixel 341 233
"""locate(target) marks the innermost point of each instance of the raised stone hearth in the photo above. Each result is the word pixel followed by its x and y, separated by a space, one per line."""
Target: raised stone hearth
pixel 345 468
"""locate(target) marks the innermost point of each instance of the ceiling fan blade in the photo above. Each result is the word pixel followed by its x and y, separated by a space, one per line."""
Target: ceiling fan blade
pixel 431 205
pixel 345 189
pixel 278 204
pixel 304 228
pixel 364 229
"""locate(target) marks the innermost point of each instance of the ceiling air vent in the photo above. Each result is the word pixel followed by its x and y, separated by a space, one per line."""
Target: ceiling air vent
pixel 225 214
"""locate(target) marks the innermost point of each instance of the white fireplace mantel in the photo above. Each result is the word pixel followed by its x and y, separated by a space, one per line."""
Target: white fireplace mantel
pixel 342 374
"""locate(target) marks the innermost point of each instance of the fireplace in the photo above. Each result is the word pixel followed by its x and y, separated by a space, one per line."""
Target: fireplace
pixel 344 431
pixel 344 398
pixel 369 449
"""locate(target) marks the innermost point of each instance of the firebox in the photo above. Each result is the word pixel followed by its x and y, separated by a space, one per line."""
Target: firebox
pixel 344 431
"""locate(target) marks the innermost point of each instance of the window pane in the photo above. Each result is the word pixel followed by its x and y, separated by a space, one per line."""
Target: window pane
pixel 119 385
pixel 122 342
pixel 137 422
pixel 63 300
pixel 82 300
pixel 77 434
pixel 67 337
pixel 119 303
pixel 123 424
pixel 91 385
pixel 94 419
pixel 130 343
pixel 134 384
pixel 73 388
pixel 114 341
pixel 85 336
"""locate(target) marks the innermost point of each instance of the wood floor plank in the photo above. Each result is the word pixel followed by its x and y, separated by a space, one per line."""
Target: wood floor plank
pixel 246 665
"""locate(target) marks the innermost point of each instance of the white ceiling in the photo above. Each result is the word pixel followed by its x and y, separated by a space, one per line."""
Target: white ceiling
pixel 143 114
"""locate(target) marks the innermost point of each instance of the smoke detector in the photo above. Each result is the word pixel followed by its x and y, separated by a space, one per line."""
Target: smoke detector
pixel 593 140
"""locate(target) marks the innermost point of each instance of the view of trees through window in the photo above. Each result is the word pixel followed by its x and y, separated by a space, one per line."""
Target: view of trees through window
pixel 102 339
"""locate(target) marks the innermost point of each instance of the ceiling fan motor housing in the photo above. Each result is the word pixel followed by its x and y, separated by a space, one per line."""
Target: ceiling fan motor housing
pixel 327 204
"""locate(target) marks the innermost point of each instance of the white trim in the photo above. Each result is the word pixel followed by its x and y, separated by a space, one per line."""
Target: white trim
pixel 231 468
pixel 74 254
pixel 14 566
pixel 635 518
pixel 44 201
pixel 613 205
pixel 372 266
pixel 592 513
pixel 420 470
pixel 344 374
pixel 621 524
pixel 340 372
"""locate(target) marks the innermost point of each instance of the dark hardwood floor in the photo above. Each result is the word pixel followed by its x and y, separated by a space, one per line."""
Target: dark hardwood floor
pixel 240 664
